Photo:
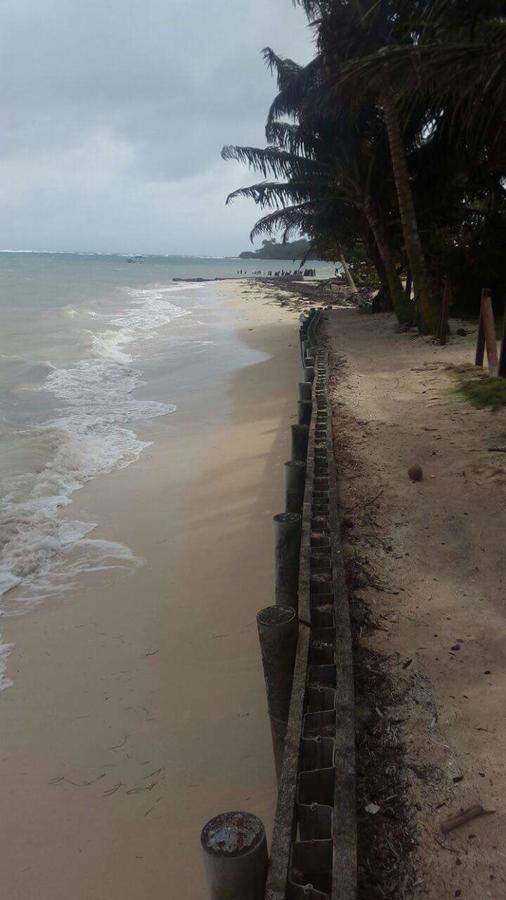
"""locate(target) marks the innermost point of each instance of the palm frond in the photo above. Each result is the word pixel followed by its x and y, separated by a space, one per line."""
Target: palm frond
pixel 273 194
pixel 272 161
pixel 291 220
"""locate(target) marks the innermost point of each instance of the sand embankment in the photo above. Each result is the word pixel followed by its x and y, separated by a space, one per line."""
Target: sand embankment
pixel 138 706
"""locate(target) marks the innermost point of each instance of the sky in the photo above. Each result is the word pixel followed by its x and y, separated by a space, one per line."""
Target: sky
pixel 113 114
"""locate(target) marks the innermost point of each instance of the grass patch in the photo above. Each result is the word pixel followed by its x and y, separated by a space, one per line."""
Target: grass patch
pixel 484 392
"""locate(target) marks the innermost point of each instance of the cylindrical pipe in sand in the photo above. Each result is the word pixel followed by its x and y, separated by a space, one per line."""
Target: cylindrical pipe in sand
pixel 295 483
pixel 300 438
pixel 309 373
pixel 278 628
pixel 287 536
pixel 305 410
pixel 235 856
pixel 305 390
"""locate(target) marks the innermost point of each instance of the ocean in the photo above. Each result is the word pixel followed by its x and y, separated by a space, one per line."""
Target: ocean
pixel 78 339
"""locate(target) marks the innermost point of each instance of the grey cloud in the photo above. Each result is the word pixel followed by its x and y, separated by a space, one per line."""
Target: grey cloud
pixel 113 115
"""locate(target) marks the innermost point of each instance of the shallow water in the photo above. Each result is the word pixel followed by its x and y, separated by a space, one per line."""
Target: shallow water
pixel 78 339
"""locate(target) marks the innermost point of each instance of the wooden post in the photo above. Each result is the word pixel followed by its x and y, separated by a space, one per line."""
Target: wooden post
pixel 480 345
pixel 487 318
pixel 502 359
pixel 445 308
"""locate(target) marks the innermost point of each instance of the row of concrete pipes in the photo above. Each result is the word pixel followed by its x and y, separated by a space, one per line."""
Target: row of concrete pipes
pixel 234 843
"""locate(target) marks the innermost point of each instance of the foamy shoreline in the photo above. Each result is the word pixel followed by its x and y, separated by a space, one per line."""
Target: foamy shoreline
pixel 138 707
pixel 91 433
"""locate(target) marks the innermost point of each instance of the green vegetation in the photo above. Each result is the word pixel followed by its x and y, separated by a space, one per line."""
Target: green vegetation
pixel 270 249
pixel 484 392
pixel 391 143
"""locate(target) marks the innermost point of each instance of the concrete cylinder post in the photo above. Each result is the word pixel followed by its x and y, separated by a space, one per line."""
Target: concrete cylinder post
pixel 305 409
pixel 235 856
pixel 309 373
pixel 295 483
pixel 278 629
pixel 287 536
pixel 300 438
pixel 305 390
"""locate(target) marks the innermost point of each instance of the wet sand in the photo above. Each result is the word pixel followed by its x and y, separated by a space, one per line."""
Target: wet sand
pixel 138 706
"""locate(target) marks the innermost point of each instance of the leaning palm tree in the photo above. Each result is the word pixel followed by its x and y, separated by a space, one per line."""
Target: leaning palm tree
pixel 349 33
pixel 332 163
pixel 458 69
pixel 443 61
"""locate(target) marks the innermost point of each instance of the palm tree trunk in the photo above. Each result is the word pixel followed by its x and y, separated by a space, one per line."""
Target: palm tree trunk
pixel 383 301
pixel 347 273
pixel 427 305
pixel 402 306
pixel 409 283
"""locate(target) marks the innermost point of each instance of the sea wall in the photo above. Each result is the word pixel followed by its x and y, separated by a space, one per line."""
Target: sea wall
pixel 306 652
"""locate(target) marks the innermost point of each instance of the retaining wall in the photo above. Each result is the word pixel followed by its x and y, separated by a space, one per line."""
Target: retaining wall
pixel 307 658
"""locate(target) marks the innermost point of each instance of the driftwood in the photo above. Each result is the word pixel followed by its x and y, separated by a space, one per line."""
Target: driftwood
pixel 461 818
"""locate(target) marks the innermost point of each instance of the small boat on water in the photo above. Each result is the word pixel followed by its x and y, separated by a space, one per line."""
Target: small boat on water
pixel 135 259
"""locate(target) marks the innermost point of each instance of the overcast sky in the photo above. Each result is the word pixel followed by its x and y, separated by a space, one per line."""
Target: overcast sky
pixel 114 112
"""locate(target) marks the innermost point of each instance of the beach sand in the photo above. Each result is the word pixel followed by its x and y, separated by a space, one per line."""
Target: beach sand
pixel 426 561
pixel 138 706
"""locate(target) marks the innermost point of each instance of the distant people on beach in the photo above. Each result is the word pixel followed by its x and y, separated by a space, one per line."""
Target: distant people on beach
pixel 283 273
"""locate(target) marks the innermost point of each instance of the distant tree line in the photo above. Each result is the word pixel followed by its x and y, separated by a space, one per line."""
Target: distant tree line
pixel 271 249
pixel 390 143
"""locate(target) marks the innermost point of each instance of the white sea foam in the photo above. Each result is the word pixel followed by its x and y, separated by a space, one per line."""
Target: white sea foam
pixel 5 649
pixel 42 552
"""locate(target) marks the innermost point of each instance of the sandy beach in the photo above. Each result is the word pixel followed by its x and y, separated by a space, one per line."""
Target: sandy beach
pixel 426 566
pixel 138 706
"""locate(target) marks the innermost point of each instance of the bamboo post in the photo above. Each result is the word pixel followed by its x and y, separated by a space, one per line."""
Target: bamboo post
pixel 487 319
pixel 278 629
pixel 235 856
pixel 502 359
pixel 287 536
pixel 295 482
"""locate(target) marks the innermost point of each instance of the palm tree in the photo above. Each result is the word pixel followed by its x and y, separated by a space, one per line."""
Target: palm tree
pixel 349 32
pixel 352 146
pixel 333 165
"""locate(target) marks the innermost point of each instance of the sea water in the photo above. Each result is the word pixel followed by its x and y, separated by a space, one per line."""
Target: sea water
pixel 76 331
